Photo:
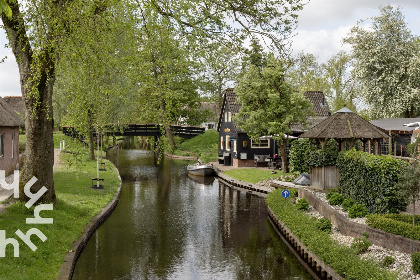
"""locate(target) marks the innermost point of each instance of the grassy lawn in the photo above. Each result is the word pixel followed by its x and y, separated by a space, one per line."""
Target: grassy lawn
pixel 254 175
pixel 204 146
pixel 76 205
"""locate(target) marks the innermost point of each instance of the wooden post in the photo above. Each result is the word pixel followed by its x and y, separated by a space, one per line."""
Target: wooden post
pixel 369 147
pixel 390 143
pixel 395 148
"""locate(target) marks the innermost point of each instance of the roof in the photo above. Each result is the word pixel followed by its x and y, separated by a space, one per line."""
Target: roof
pixel 320 104
pixel 344 124
pixel 317 98
pixel 8 116
pixel 17 103
pixel 396 124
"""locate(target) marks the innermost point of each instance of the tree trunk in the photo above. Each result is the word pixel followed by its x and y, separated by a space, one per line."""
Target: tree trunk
pixel 283 152
pixel 91 145
pixel 414 212
pixel 37 81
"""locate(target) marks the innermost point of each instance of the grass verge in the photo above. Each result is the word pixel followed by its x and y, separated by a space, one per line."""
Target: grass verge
pixel 76 205
pixel 255 175
pixel 203 146
pixel 342 259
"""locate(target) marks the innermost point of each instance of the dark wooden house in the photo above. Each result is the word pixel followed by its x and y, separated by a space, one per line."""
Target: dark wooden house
pixel 237 149
pixel 9 137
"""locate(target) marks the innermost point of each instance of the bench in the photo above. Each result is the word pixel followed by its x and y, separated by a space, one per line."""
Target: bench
pixel 261 159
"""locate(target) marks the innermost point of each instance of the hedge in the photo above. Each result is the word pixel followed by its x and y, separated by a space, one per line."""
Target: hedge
pixel 298 150
pixel 342 259
pixel 393 226
pixel 370 180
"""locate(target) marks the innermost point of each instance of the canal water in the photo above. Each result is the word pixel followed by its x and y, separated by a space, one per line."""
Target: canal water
pixel 170 226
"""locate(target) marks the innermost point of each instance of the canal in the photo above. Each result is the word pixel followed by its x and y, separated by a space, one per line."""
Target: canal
pixel 169 226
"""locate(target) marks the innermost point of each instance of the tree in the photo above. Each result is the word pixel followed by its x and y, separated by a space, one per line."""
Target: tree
pixel 4 8
pixel 343 88
pixel 386 64
pixel 409 184
pixel 270 106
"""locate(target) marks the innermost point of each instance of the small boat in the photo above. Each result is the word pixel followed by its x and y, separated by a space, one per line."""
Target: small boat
pixel 204 180
pixel 200 169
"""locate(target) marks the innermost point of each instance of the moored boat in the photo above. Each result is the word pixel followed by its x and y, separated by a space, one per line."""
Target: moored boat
pixel 200 169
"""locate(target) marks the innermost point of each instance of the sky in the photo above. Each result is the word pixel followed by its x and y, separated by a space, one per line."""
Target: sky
pixel 322 25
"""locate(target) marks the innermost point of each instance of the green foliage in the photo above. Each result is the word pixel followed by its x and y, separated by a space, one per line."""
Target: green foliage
pixel 342 259
pixel 298 151
pixel 370 180
pixel 358 211
pixel 415 262
pixel 387 261
pixel 4 8
pixel 302 204
pixel 336 199
pixel 330 193
pixel 347 204
pixel 394 225
pixel 252 175
pixel 409 183
pixel 361 245
pixel 324 224
pixel 323 157
pixel 203 146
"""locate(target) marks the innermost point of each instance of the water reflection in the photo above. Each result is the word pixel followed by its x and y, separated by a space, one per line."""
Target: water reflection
pixel 168 226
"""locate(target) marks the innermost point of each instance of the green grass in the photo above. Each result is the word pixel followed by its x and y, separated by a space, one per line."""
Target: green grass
pixel 342 259
pixel 253 175
pixel 77 203
pixel 204 146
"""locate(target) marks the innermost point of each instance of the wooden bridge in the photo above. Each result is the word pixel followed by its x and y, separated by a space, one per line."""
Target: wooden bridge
pixel 155 130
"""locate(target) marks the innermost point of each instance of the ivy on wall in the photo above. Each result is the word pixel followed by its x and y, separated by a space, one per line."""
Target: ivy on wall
pixel 371 180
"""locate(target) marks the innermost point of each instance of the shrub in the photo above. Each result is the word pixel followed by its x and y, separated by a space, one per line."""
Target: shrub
pixel 323 157
pixel 324 224
pixel 387 261
pixel 330 193
pixel 298 152
pixel 302 204
pixel 390 225
pixel 361 245
pixel 370 180
pixel 358 211
pixel 347 204
pixel 415 262
pixel 336 199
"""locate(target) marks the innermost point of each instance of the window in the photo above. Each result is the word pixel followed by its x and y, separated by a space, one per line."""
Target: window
pixel 1 145
pixel 222 143
pixel 234 146
pixel 264 143
pixel 229 116
pixel 227 143
pixel 225 116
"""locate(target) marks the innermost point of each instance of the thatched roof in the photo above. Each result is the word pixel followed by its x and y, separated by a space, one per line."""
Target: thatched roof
pixel 345 124
pixel 8 116
pixel 17 103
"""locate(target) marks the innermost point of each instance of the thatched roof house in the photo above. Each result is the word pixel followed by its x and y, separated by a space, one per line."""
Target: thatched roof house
pixel 345 126
pixel 8 116
pixel 17 104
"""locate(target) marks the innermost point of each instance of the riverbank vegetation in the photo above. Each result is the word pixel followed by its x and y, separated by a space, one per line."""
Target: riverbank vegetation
pixel 77 203
pixel 204 146
pixel 344 260
pixel 255 175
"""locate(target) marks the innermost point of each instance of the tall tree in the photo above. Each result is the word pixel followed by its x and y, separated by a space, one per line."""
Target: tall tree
pixel 270 106
pixel 409 183
pixel 386 63
pixel 343 88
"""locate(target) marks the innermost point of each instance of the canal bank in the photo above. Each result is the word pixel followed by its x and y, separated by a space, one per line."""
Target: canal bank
pixel 168 226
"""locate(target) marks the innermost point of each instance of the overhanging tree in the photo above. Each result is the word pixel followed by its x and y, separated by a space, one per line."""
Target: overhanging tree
pixel 270 106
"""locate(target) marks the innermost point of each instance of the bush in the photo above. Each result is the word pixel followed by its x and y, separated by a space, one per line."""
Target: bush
pixel 387 261
pixel 330 193
pixel 302 204
pixel 336 199
pixel 323 157
pixel 415 262
pixel 298 152
pixel 390 225
pixel 361 245
pixel 324 224
pixel 347 204
pixel 370 180
pixel 358 211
